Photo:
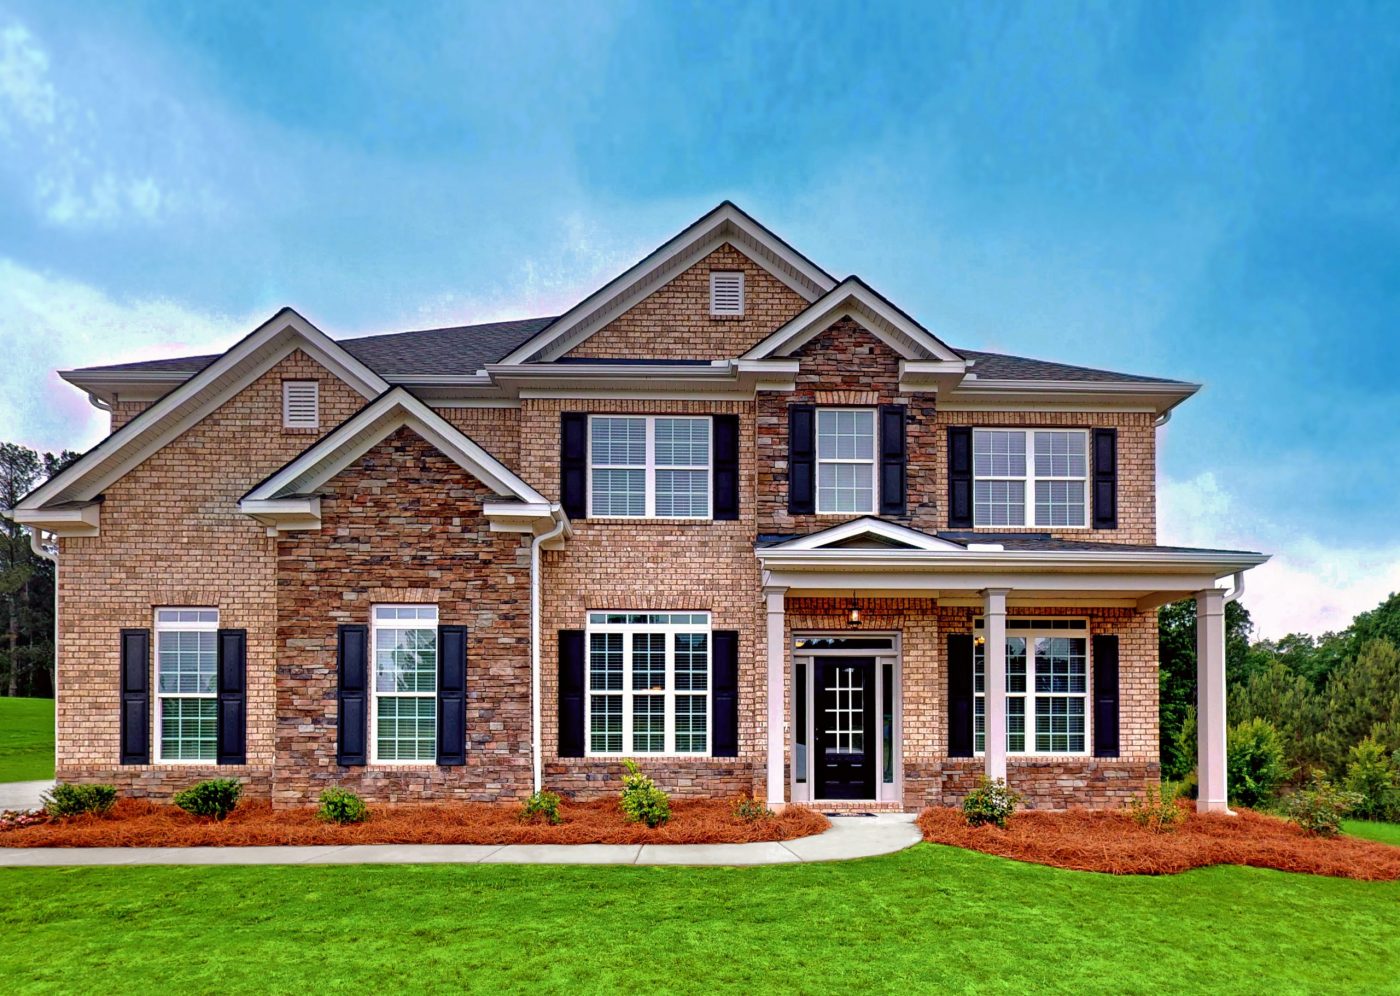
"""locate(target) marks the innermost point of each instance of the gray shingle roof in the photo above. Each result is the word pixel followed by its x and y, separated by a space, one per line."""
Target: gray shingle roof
pixel 465 349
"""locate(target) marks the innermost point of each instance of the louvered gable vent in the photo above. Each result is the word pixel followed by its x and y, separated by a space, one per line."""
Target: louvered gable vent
pixel 727 292
pixel 300 404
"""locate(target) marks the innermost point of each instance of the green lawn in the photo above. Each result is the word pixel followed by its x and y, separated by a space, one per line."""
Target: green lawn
pixel 26 739
pixel 1386 833
pixel 931 918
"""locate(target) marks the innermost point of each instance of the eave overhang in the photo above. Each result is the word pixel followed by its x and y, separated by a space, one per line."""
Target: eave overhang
pixel 975 394
pixel 76 519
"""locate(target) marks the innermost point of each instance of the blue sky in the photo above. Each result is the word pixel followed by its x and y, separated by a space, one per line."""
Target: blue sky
pixel 1210 192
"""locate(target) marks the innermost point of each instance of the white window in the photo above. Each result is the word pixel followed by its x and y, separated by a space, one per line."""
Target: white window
pixel 403 708
pixel 649 466
pixel 1030 477
pixel 300 404
pixel 648 683
pixel 1047 686
pixel 846 460
pixel 726 292
pixel 186 690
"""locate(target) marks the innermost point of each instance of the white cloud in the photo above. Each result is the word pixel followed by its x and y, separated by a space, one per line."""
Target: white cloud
pixel 25 91
pixel 1308 587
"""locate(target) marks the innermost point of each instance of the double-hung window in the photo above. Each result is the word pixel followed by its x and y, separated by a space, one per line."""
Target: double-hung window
pixel 845 460
pixel 648 683
pixel 649 466
pixel 1047 686
pixel 186 670
pixel 403 711
pixel 1025 477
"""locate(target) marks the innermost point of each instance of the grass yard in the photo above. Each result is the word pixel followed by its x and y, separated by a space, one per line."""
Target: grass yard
pixel 1386 833
pixel 26 739
pixel 931 918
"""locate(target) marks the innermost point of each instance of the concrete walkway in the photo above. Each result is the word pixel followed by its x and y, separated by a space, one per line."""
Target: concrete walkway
pixel 849 837
pixel 22 795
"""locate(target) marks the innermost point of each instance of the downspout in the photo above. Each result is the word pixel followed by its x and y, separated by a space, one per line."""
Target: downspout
pixel 1234 595
pixel 36 544
pixel 536 739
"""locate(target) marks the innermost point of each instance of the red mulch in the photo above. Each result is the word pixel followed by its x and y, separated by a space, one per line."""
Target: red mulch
pixel 1107 841
pixel 138 823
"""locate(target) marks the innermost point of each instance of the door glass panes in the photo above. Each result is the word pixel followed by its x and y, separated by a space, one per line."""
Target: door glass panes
pixel 887 721
pixel 845 715
pixel 799 754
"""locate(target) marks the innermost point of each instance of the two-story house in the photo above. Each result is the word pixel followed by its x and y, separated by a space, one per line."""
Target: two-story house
pixel 749 524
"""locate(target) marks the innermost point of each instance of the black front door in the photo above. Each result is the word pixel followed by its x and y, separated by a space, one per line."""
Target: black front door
pixel 845 728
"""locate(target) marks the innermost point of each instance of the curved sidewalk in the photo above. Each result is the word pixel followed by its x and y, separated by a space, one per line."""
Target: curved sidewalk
pixel 849 837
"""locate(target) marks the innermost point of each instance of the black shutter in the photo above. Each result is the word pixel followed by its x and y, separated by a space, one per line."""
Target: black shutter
pixel 232 681
pixel 452 695
pixel 352 694
pixel 572 699
pixel 1105 478
pixel 136 696
pixel 959 477
pixel 724 682
pixel 802 459
pixel 725 486
pixel 1105 696
pixel 573 464
pixel 894 460
pixel 960 695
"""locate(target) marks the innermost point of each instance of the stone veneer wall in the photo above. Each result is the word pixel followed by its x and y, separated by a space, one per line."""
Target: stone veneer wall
pixel 172 535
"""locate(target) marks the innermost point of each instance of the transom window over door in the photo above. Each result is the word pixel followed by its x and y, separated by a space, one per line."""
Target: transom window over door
pixel 403 712
pixel 1047 686
pixel 648 683
pixel 845 460
pixel 186 671
pixel 649 466
pixel 1030 477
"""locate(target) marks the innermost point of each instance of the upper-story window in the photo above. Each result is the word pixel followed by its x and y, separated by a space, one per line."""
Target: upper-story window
pixel 301 404
pixel 649 466
pixel 726 292
pixel 846 460
pixel 1025 477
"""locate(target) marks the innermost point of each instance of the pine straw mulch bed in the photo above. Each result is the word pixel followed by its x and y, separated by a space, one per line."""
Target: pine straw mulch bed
pixel 1107 841
pixel 139 823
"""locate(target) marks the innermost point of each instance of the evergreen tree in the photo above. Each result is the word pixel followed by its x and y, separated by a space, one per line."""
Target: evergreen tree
pixel 1364 694
pixel 1288 702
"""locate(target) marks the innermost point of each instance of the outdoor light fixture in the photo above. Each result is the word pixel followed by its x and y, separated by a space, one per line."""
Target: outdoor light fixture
pixel 853 618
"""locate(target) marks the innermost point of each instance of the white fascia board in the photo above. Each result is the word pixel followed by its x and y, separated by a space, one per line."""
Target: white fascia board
pixel 1022 587
pixel 930 375
pixel 128 385
pixel 284 514
pixel 974 394
pixel 865 527
pixel 1055 561
pixel 72 521
pixel 201 394
pixel 534 518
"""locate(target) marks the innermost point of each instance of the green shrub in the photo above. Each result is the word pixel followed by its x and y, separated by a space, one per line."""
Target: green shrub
pixel 990 802
pixel 1156 809
pixel 642 801
pixel 751 809
pixel 1375 779
pixel 1256 766
pixel 1319 808
pixel 342 806
pixel 542 806
pixel 215 797
pixel 74 800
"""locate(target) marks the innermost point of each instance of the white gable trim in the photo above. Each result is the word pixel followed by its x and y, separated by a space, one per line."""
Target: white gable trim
pixel 201 394
pixel 853 299
pixel 877 528
pixel 725 224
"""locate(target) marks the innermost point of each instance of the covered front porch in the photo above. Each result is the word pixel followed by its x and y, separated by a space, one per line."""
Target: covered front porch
pixel 901 665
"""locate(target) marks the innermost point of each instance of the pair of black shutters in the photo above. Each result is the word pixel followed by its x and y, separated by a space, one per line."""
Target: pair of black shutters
pixel 724 693
pixel 1103 478
pixel 231 688
pixel 802 459
pixel 353 674
pixel 573 465
pixel 1103 691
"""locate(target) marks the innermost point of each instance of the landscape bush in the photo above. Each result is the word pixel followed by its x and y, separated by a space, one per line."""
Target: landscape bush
pixel 215 797
pixel 543 806
pixel 1374 778
pixel 751 809
pixel 1319 808
pixel 642 801
pixel 341 806
pixel 1156 809
pixel 990 802
pixel 1256 767
pixel 74 800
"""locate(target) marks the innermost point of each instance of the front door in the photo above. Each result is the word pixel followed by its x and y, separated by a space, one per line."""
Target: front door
pixel 845 728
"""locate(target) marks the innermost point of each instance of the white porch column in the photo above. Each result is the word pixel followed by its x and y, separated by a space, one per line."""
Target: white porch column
pixel 994 655
pixel 1213 795
pixel 777 700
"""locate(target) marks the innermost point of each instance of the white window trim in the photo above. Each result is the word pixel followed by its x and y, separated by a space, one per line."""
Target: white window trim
pixel 1030 478
pixel 157 745
pixel 1030 694
pixel 287 421
pixel 373 681
pixel 873 462
pixel 714 276
pixel 670 630
pixel 649 484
